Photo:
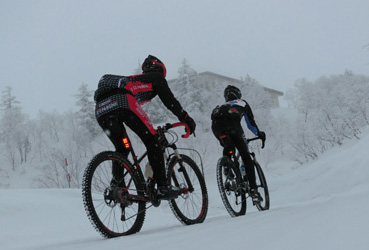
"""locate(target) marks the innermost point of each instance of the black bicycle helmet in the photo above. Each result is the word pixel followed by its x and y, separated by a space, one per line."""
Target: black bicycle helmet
pixel 153 64
pixel 232 93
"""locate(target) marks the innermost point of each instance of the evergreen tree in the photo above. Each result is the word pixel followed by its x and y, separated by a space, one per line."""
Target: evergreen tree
pixel 8 101
pixel 193 95
pixel 185 83
pixel 86 112
pixel 13 129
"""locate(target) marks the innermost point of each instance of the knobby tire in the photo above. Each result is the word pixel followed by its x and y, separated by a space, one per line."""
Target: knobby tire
pixel 105 213
pixel 191 207
pixel 262 188
pixel 233 198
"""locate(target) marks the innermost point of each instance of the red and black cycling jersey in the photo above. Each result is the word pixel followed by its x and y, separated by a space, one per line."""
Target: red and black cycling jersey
pixel 233 111
pixel 116 92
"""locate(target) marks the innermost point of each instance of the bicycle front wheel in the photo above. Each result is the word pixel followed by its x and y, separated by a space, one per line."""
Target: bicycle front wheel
pixel 230 187
pixel 192 206
pixel 110 207
pixel 262 189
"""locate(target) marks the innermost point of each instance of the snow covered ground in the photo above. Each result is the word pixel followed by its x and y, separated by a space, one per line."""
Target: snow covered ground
pixel 320 205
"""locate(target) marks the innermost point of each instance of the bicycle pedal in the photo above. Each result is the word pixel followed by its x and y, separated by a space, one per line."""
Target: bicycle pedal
pixel 256 200
pixel 155 201
pixel 153 197
pixel 167 198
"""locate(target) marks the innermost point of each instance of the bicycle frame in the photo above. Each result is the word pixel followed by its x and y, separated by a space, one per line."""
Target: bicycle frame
pixel 165 145
pixel 236 156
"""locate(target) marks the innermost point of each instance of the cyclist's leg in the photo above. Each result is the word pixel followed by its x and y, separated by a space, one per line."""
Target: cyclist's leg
pixel 114 129
pixel 142 126
pixel 239 139
pixel 221 132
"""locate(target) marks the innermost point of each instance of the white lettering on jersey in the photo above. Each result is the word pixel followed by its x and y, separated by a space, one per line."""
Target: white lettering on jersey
pixel 238 102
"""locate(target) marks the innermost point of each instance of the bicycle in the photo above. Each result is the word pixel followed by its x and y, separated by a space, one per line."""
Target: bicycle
pixel 119 209
pixel 234 188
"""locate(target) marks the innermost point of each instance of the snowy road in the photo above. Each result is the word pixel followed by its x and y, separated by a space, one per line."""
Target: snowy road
pixel 56 220
pixel 321 205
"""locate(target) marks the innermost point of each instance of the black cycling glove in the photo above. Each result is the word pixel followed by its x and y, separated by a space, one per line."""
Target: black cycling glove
pixel 190 123
pixel 262 135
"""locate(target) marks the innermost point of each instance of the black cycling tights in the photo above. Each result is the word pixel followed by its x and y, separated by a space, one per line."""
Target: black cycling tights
pixel 112 124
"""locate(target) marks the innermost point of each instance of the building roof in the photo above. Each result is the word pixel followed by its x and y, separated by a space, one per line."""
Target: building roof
pixel 226 78
pixel 230 79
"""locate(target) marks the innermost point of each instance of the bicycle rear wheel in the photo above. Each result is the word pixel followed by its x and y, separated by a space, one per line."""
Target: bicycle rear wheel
pixel 191 207
pixel 262 188
pixel 229 183
pixel 109 207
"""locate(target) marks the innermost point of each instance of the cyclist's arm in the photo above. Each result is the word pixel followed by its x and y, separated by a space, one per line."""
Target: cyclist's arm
pixel 166 96
pixel 249 119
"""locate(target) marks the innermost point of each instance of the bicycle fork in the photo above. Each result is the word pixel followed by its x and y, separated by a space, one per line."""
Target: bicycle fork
pixel 181 169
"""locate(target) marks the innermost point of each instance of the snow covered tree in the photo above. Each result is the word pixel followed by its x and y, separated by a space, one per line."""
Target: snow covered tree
pixel 13 133
pixel 334 109
pixel 52 124
pixel 37 138
pixel 86 112
pixel 193 96
pixel 8 101
pixel 186 87
pixel 137 70
pixel 259 100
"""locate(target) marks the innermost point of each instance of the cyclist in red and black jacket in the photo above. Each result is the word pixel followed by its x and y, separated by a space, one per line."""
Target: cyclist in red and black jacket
pixel 118 100
pixel 227 129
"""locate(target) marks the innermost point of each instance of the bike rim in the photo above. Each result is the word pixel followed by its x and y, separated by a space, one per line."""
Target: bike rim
pixel 263 190
pixel 191 205
pixel 116 217
pixel 233 198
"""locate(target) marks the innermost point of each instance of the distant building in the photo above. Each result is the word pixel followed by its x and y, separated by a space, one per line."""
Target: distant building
pixel 208 79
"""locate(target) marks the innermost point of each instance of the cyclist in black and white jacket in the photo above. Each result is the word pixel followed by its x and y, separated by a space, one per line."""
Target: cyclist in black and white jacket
pixel 226 126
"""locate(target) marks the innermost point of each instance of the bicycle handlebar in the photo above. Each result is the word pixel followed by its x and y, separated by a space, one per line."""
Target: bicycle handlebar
pixel 178 124
pixel 257 138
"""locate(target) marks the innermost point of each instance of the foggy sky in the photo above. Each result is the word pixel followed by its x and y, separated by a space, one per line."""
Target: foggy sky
pixel 49 48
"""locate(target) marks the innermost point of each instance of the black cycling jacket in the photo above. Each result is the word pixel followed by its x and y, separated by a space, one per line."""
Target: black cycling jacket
pixel 234 111
pixel 116 92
